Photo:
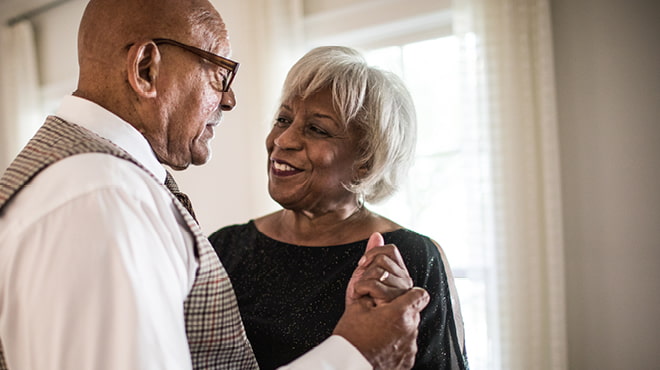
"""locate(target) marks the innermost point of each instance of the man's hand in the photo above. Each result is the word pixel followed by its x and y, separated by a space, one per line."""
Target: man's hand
pixel 382 309
pixel 385 334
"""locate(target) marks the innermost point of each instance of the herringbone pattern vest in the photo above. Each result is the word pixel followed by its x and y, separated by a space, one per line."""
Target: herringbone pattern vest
pixel 215 332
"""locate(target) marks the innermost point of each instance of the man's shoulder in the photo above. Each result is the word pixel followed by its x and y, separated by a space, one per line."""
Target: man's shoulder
pixel 94 171
pixel 83 175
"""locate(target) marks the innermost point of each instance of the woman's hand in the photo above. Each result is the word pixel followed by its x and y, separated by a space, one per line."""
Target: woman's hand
pixel 381 273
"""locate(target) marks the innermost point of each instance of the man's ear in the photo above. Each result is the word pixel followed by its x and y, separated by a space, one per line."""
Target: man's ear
pixel 143 63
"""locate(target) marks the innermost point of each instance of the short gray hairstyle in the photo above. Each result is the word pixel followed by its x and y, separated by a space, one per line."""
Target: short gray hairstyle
pixel 375 101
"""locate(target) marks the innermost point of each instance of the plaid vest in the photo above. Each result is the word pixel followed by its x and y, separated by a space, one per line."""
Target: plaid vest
pixel 214 328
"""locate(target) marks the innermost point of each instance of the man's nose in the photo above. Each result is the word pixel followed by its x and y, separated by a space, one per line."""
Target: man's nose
pixel 228 100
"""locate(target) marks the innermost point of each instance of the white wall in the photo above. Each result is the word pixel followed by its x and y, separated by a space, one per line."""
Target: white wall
pixel 608 73
pixel 56 38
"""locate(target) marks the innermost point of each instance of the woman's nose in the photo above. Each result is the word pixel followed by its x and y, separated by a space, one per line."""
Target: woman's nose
pixel 289 138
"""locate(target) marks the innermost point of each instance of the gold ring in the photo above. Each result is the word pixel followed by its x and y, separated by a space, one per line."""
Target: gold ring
pixel 383 276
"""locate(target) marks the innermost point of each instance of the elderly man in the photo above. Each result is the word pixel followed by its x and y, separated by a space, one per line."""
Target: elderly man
pixel 101 267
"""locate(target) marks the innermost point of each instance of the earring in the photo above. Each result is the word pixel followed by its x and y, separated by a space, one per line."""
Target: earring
pixel 360 200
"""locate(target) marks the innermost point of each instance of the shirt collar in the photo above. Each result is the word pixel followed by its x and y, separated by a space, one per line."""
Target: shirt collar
pixel 106 124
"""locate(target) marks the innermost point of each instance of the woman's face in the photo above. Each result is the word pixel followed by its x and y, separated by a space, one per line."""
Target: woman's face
pixel 311 155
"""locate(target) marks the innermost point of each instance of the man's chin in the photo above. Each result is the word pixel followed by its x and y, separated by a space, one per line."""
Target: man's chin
pixel 178 167
pixel 199 159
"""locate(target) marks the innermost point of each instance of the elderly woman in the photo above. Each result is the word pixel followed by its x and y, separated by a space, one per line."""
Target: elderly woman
pixel 344 134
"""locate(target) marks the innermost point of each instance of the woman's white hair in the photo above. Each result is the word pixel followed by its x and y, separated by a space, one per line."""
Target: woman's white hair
pixel 375 102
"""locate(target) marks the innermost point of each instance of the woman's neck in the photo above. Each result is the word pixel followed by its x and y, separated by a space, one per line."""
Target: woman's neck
pixel 323 229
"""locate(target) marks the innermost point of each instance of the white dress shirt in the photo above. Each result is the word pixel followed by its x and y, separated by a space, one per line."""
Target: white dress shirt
pixel 95 264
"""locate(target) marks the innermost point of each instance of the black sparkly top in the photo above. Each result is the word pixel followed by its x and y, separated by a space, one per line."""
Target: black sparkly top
pixel 291 297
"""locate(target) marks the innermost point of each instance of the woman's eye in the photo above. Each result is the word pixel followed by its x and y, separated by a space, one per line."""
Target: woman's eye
pixel 282 122
pixel 318 130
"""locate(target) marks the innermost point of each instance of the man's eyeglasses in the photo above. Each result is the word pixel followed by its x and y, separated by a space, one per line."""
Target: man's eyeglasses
pixel 223 62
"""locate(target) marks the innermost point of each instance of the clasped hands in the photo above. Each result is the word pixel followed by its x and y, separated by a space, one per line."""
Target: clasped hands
pixel 381 317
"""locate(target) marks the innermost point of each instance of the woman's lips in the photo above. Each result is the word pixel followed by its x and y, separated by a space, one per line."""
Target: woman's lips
pixel 282 168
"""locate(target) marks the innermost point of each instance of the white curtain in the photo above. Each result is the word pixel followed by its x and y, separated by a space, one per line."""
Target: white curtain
pixel 278 26
pixel 509 98
pixel 280 32
pixel 20 107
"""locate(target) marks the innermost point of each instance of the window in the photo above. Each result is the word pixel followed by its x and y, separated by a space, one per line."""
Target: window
pixel 434 201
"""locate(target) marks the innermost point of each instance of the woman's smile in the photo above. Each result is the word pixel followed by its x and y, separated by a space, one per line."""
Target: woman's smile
pixel 281 168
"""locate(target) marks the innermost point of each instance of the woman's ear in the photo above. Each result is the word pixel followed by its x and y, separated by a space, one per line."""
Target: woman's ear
pixel 363 171
pixel 360 172
pixel 143 63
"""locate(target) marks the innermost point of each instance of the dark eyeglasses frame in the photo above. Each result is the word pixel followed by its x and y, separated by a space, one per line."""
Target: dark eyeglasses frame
pixel 228 64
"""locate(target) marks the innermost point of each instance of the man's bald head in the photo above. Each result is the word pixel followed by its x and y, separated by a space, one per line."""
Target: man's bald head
pixel 120 22
pixel 108 27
